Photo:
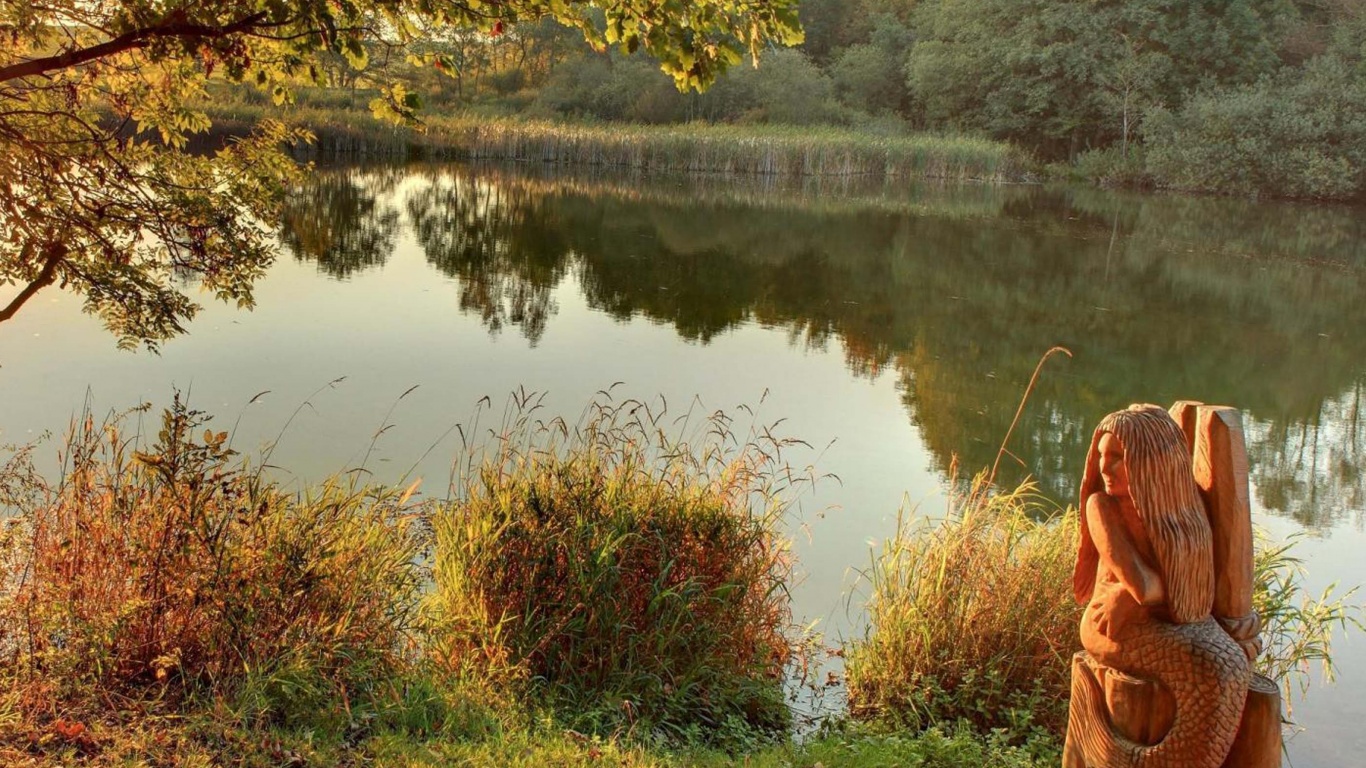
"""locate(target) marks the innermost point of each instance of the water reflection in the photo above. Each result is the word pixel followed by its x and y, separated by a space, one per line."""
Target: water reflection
pixel 343 221
pixel 501 242
pixel 956 290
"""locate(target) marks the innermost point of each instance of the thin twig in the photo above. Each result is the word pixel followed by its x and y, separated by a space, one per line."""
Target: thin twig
pixel 991 479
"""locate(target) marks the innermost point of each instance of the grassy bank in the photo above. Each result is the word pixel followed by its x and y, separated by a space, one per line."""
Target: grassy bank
pixel 344 132
pixel 611 592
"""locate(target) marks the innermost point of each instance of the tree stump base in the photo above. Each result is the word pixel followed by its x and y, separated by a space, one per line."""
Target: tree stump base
pixel 1258 744
pixel 1142 712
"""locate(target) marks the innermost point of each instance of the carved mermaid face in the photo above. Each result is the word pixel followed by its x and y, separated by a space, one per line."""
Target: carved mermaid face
pixel 1113 474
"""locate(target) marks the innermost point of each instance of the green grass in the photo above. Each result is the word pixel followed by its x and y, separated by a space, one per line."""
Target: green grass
pixel 935 748
pixel 167 742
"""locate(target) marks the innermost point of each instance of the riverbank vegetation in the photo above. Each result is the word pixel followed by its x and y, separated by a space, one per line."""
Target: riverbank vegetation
pixel 719 148
pixel 969 619
pixel 611 592
pixel 1255 97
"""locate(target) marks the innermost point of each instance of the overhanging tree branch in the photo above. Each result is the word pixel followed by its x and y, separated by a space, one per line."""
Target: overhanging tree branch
pixel 128 41
pixel 47 276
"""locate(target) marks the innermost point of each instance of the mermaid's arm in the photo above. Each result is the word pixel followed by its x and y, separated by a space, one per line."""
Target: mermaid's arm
pixel 1118 552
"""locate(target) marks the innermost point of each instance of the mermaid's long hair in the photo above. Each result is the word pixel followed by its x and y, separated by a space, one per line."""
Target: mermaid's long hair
pixel 1169 506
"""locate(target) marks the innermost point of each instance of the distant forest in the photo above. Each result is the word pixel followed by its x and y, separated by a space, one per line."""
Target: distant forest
pixel 1235 96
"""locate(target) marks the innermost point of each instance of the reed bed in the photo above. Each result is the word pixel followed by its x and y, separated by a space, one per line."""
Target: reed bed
pixel 162 573
pixel 741 150
pixel 338 134
pixel 624 576
pixel 776 151
pixel 971 618
pixel 629 569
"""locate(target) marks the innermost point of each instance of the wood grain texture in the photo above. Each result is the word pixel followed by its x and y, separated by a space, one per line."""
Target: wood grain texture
pixel 1183 412
pixel 1258 744
pixel 1220 466
pixel 1142 710
pixel 1161 683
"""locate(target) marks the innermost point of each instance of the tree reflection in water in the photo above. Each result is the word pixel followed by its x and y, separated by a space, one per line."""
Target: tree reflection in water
pixel 342 220
pixel 504 244
pixel 953 290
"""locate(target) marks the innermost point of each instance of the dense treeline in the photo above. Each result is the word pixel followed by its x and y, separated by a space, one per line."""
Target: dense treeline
pixel 1239 96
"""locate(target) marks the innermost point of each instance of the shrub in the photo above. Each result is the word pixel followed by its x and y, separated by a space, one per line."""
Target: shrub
pixel 615 87
pixel 1303 135
pixel 791 90
pixel 631 579
pixel 174 571
pixel 971 618
pixel 1112 168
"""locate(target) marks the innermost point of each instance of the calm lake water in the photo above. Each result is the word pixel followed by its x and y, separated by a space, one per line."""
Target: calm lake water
pixel 892 327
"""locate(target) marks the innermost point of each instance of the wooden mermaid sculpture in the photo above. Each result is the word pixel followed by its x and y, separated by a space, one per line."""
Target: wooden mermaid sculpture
pixel 1161 683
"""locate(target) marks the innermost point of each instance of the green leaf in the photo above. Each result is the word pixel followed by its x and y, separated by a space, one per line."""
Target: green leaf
pixel 354 51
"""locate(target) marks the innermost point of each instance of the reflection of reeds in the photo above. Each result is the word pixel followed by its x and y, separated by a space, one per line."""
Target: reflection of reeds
pixel 819 194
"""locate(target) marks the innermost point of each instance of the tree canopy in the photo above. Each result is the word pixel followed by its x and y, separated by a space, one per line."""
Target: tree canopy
pixel 99 193
pixel 1066 72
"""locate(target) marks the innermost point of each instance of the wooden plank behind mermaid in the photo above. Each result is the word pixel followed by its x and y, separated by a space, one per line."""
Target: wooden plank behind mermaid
pixel 1160 683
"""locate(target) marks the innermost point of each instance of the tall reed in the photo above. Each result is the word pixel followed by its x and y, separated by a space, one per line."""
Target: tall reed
pixel 780 151
pixel 170 571
pixel 746 150
pixel 630 569
pixel 970 617
pixel 1297 627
